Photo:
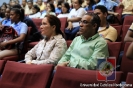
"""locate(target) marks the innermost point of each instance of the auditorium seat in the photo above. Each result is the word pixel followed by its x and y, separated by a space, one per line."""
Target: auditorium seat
pixel 119 29
pixel 129 79
pixel 128 20
pixel 126 64
pixel 21 75
pixel 114 49
pixel 66 77
pixel 2 64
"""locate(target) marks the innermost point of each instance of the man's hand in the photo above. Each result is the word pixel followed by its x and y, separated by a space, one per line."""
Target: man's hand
pixel 64 64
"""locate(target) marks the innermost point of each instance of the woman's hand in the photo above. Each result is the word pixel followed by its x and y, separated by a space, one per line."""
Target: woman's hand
pixel 3 44
pixel 70 26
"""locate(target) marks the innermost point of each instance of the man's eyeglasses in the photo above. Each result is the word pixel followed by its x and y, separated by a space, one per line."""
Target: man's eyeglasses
pixel 84 22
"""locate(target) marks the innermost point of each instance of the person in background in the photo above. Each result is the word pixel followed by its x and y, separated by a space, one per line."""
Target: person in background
pixel 110 5
pixel 74 17
pixel 12 3
pixel 3 10
pixel 127 8
pixel 89 5
pixel 6 21
pixel 28 10
pixel 105 30
pixel 41 5
pixel 16 16
pixel 52 47
pixel 90 41
pixel 36 12
pixel 58 8
pixel 50 9
pixel 24 5
pixel 65 8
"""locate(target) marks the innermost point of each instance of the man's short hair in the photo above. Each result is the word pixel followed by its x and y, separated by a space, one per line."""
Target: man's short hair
pixel 95 19
pixel 102 8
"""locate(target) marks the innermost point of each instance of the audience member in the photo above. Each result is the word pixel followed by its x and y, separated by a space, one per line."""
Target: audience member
pixel 65 8
pixel 58 8
pixel 50 9
pixel 34 34
pixel 52 47
pixel 108 32
pixel 28 10
pixel 36 12
pixel 16 16
pixel 129 53
pixel 74 17
pixel 6 21
pixel 127 8
pixel 41 5
pixel 24 5
pixel 110 5
pixel 93 45
pixel 12 3
pixel 90 4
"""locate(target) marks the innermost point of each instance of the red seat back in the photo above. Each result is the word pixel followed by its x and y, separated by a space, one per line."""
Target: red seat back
pixel 37 22
pixel 114 49
pixel 66 77
pixel 126 64
pixel 129 79
pixel 118 28
pixel 21 75
pixel 2 64
pixel 63 23
pixel 128 20
pixel 124 31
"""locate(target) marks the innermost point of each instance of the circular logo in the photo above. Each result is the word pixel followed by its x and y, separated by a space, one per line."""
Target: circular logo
pixel 106 69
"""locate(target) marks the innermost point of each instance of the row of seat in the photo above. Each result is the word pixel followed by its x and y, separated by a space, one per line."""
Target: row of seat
pixel 20 75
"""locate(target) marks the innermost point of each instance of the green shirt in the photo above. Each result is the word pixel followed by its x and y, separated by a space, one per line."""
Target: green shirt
pixel 83 53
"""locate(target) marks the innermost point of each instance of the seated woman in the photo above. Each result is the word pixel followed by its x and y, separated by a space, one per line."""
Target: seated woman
pixel 74 17
pixel 16 16
pixel 50 9
pixel 6 21
pixel 35 12
pixel 52 47
pixel 64 10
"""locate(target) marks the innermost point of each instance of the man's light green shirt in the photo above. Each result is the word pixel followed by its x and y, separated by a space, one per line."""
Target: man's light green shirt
pixel 83 53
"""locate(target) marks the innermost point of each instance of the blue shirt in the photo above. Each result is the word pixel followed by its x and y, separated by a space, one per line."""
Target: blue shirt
pixel 20 27
pixel 57 10
pixel 6 22
pixel 108 4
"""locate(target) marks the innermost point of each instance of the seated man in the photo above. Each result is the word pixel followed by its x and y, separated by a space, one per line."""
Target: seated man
pixel 129 53
pixel 129 35
pixel 127 8
pixel 86 48
pixel 110 7
pixel 105 30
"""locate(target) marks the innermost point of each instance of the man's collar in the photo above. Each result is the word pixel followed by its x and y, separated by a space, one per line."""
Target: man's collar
pixel 90 38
